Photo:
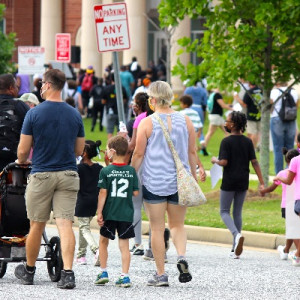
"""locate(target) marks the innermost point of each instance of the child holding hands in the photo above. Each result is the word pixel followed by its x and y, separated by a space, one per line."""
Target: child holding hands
pixel 289 155
pixel 293 173
pixel 86 205
pixel 117 183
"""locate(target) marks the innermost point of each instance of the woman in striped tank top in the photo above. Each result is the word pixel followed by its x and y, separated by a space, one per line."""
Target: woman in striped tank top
pixel 159 177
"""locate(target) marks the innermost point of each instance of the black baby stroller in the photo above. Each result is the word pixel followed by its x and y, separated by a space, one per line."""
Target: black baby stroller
pixel 14 225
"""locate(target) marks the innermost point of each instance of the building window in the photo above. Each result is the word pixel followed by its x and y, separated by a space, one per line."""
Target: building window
pixel 2 26
pixel 197 32
pixel 157 44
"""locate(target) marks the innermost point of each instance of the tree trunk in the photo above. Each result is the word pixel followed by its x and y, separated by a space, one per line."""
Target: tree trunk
pixel 265 136
pixel 265 110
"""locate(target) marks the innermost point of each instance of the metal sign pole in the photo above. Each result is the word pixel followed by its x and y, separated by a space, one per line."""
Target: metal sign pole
pixel 118 86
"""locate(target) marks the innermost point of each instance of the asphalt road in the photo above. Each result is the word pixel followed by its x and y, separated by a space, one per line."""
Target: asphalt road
pixel 259 274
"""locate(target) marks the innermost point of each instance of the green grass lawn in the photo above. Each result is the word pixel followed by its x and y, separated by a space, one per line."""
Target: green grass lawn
pixel 260 214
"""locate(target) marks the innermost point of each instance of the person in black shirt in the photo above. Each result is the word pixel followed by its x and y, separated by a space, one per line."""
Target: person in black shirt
pixel 12 114
pixel 97 92
pixel 87 200
pixel 251 101
pixel 236 151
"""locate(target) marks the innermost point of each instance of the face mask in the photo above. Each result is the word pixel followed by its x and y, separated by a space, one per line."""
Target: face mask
pixel 111 156
pixel 150 105
pixel 42 92
pixel 227 129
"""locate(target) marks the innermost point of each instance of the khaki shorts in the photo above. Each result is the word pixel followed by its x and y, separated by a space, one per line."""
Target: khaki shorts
pixel 253 127
pixel 48 191
pixel 216 120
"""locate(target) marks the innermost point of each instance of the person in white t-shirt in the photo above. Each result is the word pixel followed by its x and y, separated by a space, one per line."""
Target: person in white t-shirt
pixel 283 133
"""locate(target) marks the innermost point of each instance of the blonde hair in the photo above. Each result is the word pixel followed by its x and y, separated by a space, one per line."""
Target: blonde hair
pixel 162 92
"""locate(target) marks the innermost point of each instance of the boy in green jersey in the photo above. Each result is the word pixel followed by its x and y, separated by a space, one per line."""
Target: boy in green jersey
pixel 118 182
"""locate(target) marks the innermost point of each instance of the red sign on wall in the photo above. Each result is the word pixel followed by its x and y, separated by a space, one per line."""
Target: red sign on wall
pixel 63 47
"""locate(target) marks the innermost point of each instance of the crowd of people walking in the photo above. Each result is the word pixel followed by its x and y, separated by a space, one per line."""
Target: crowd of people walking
pixel 140 170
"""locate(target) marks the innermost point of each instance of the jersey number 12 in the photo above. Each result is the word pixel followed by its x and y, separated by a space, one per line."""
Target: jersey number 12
pixel 118 187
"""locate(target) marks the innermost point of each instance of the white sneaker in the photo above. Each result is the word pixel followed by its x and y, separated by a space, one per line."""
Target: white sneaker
pixel 296 261
pixel 282 254
pixel 239 241
pixel 232 255
pixel 291 254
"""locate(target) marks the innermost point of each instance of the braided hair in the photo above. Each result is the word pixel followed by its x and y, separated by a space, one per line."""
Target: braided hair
pixel 239 119
pixel 91 148
pixel 289 154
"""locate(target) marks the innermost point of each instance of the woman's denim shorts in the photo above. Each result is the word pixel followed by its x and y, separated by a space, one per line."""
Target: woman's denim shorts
pixel 155 199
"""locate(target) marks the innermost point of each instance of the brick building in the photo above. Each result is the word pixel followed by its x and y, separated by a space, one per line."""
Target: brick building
pixel 37 21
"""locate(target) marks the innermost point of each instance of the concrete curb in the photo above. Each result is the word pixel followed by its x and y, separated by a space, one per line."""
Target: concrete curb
pixel 214 235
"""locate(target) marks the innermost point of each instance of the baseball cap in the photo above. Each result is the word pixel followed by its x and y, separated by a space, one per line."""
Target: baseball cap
pixel 90 69
pixel 29 97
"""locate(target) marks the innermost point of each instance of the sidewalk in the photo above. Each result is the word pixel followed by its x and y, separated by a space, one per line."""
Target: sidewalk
pixel 214 235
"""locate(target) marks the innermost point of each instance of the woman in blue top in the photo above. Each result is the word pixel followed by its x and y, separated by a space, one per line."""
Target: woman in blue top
pixel 159 177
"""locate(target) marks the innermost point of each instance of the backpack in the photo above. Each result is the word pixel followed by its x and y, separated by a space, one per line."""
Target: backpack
pixel 10 127
pixel 210 102
pixel 87 83
pixel 288 110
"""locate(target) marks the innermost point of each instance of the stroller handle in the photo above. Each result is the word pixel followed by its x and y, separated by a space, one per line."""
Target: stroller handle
pixel 15 165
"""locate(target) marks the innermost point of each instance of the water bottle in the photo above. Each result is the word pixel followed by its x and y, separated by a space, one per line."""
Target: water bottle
pixel 122 127
pixel 110 111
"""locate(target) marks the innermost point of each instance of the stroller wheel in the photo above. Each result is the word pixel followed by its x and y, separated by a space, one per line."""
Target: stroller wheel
pixel 3 266
pixel 55 265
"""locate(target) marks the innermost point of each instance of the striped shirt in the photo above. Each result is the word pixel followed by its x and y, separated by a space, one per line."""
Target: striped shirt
pixel 159 171
pixel 194 116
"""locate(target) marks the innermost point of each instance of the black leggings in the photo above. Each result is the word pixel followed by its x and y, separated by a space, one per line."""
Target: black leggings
pixel 98 108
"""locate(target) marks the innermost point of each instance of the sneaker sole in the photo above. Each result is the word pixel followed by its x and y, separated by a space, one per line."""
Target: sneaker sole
pixel 68 286
pixel 148 258
pixel 103 282
pixel 138 252
pixel 239 249
pixel 124 285
pixel 23 281
pixel 183 268
pixel 162 284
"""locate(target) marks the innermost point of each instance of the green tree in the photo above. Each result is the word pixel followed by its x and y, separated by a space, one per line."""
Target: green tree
pixel 7 46
pixel 256 40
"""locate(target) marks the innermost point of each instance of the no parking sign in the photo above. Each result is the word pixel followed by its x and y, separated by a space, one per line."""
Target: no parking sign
pixel 112 27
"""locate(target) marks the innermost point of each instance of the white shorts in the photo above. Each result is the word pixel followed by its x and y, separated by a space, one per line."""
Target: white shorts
pixel 253 127
pixel 216 120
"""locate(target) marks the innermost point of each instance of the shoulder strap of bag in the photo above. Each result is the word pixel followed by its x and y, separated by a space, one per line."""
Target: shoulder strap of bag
pixel 168 138
pixel 281 100
pixel 74 93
